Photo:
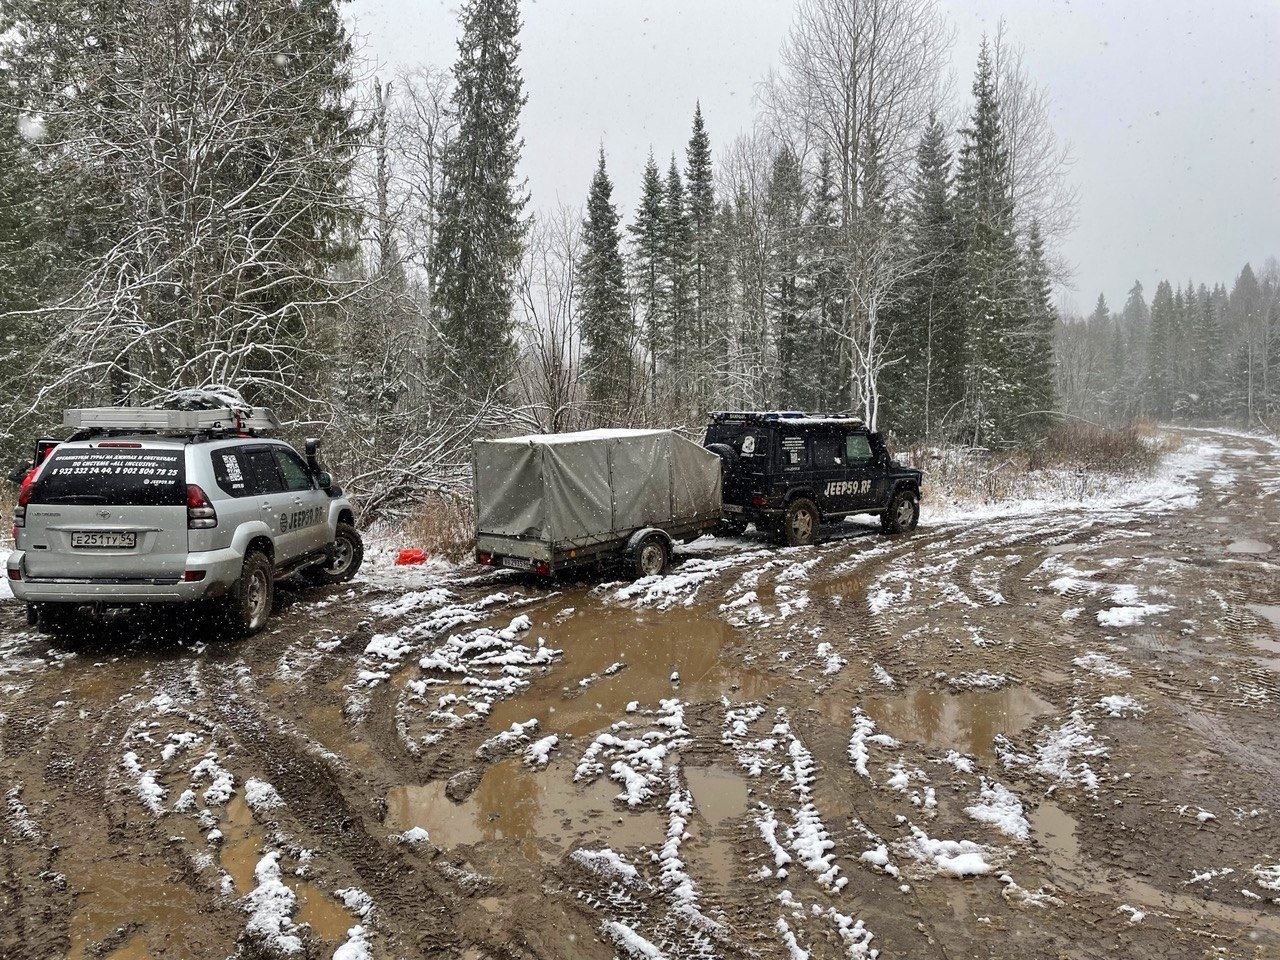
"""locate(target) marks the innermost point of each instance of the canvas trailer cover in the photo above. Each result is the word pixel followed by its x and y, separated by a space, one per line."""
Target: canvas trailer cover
pixel 568 497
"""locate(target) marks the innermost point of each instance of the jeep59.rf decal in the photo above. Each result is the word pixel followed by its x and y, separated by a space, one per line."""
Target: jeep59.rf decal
pixel 299 519
pixel 844 488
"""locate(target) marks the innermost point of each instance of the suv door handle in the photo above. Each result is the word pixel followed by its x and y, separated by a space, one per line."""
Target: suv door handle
pixel 266 506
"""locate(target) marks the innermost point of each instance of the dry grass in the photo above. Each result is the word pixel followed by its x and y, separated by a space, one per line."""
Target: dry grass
pixel 8 499
pixel 1074 461
pixel 442 525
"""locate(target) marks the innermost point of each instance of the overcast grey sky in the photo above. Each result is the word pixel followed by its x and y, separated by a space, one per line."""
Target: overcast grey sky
pixel 1171 108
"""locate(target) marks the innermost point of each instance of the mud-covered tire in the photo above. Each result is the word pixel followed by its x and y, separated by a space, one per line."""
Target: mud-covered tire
pixel 902 514
pixel 345 562
pixel 800 523
pixel 249 607
pixel 651 556
pixel 33 615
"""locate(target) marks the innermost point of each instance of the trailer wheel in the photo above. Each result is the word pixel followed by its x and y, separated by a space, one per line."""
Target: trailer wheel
pixel 651 555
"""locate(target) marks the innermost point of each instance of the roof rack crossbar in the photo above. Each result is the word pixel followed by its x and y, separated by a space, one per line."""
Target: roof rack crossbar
pixel 160 420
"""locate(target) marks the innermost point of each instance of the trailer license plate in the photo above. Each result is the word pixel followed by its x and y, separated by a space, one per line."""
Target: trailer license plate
pixel 517 563
pixel 732 508
pixel 109 540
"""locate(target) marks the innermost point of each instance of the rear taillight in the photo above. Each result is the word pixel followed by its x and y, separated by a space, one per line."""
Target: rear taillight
pixel 542 568
pixel 485 558
pixel 193 576
pixel 759 500
pixel 24 497
pixel 15 573
pixel 200 512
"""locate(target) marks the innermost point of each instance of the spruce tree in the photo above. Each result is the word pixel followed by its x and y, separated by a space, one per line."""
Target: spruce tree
pixel 481 231
pixel 701 207
pixel 649 273
pixel 792 331
pixel 1160 385
pixel 604 308
pixel 830 361
pixel 993 281
pixel 927 383
pixel 678 278
pixel 1037 336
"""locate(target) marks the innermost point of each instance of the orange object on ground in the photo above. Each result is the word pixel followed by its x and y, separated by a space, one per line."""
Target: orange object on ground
pixel 411 556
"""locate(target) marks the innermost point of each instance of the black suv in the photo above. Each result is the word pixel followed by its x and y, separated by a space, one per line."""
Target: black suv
pixel 788 472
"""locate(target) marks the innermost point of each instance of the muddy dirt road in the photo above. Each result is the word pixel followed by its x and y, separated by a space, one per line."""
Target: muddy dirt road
pixel 1045 735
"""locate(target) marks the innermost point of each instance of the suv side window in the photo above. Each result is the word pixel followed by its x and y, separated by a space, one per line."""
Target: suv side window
pixel 827 450
pixel 292 470
pixel 794 453
pixel 266 476
pixel 231 472
pixel 857 448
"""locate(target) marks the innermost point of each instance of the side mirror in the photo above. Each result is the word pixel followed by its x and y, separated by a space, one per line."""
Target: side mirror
pixel 324 480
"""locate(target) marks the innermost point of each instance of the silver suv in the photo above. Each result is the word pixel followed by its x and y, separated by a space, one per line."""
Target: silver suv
pixel 160 506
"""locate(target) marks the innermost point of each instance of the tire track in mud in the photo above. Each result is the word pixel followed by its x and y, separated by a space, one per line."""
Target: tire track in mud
pixel 310 785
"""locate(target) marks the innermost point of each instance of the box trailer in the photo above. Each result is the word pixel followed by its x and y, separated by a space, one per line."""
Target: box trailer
pixel 557 501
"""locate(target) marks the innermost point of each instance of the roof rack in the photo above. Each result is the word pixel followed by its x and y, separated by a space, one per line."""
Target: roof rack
pixel 167 421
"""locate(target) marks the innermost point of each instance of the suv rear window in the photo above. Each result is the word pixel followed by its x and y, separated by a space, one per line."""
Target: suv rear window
pixel 125 477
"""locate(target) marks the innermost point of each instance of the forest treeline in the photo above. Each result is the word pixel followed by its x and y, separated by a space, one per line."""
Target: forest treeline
pixel 1193 353
pixel 199 192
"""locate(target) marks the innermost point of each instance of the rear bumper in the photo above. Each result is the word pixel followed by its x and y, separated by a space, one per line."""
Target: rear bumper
pixel 221 572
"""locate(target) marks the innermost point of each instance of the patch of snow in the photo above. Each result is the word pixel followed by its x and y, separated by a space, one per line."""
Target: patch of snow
pixel 606 863
pixel 145 786
pixel 271 905
pixel 1135 915
pixel 1120 705
pixel 261 796
pixel 1061 754
pixel 864 733
pixel 538 753
pixel 1001 808
pixel 356 947
pixel 356 900
pixel 630 942
pixel 1101 664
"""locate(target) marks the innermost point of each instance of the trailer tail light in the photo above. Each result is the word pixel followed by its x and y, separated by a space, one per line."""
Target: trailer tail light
pixel 542 568
pixel 485 558
pixel 200 512
pixel 759 500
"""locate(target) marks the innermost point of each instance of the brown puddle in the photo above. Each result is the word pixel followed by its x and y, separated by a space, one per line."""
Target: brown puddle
pixel 652 644
pixel 515 802
pixel 1056 831
pixel 967 720
pixel 124 892
pixel 1269 647
pixel 719 793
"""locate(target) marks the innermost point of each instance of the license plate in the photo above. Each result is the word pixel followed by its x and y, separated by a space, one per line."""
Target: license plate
pixel 517 563
pixel 732 508
pixel 108 540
